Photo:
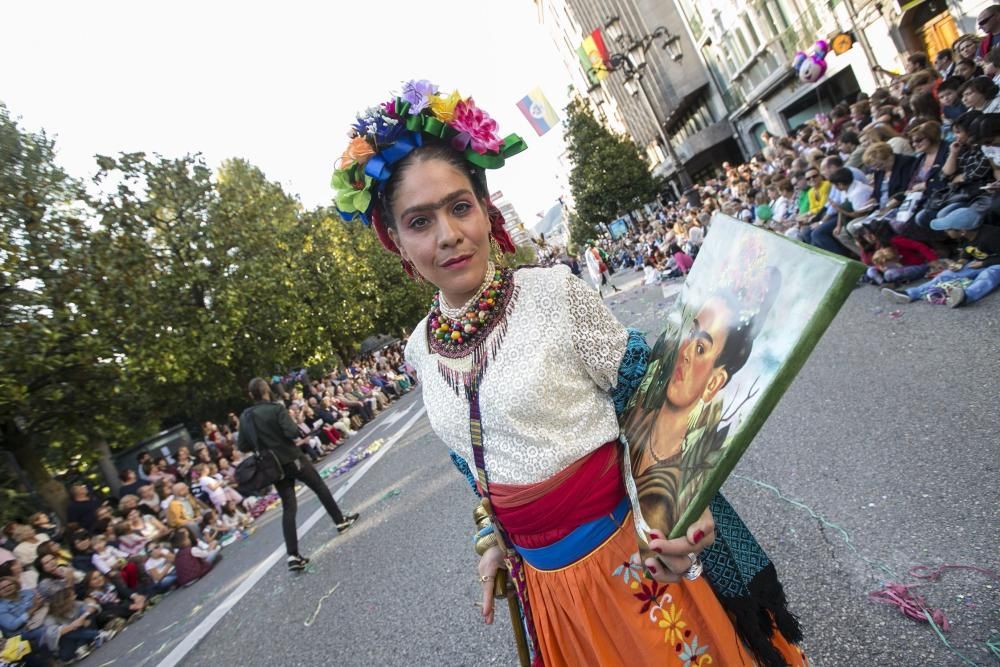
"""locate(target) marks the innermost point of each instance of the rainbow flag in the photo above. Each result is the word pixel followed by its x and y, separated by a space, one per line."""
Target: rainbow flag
pixel 594 56
pixel 538 111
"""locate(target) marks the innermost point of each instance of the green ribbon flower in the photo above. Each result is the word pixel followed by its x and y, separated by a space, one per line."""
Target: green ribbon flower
pixel 353 190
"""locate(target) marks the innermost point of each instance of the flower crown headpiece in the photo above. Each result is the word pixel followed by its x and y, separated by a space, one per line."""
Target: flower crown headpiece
pixel 385 134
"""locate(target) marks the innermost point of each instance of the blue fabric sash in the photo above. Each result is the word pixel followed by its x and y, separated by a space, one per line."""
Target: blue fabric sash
pixel 578 543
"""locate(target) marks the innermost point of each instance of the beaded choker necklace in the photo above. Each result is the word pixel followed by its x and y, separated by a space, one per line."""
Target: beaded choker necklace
pixel 455 336
pixel 458 313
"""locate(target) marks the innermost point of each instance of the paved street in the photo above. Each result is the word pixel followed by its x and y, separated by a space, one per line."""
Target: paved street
pixel 889 435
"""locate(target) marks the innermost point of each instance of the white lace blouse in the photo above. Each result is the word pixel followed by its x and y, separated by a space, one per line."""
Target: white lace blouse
pixel 544 399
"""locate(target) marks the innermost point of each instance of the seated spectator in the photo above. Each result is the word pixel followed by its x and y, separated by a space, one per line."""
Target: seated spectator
pixel 190 563
pixel 855 202
pixel 978 275
pixel 183 511
pixel 160 567
pixel 130 483
pixel 850 148
pixel 113 600
pixel 892 174
pixel 43 523
pixel 149 501
pixel 950 96
pixel 26 551
pixel 980 94
pixel 48 566
pixel 82 509
pixel 146 526
pixel 890 257
pixel 964 203
pixel 26 576
pixel 69 625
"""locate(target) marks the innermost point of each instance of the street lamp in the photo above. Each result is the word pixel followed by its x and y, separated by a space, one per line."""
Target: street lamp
pixel 633 61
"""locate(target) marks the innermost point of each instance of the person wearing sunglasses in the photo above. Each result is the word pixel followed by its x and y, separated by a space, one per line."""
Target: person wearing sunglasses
pixel 988 22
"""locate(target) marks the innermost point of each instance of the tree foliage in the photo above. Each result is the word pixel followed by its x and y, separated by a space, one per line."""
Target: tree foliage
pixel 153 295
pixel 609 177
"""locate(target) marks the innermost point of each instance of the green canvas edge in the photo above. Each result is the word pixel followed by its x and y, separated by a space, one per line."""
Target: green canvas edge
pixel 826 311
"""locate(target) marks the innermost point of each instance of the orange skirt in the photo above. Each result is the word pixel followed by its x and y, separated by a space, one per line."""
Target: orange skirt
pixel 602 611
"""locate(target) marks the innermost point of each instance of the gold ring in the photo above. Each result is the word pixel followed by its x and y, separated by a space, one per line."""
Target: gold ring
pixel 484 578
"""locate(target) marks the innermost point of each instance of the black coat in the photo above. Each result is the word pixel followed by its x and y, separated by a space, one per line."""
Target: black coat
pixel 903 169
pixel 274 429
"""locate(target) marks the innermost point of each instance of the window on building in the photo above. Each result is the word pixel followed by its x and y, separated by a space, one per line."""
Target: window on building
pixel 751 32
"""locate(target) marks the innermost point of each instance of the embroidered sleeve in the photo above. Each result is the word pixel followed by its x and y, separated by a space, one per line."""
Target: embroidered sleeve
pixel 598 338
pixel 631 370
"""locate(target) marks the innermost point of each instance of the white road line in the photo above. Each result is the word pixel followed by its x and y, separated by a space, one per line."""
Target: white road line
pixel 202 629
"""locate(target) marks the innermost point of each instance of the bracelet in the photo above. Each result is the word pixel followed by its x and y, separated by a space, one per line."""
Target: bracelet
pixel 484 544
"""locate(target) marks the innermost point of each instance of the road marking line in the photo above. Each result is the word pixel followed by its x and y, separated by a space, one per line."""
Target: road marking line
pixel 192 639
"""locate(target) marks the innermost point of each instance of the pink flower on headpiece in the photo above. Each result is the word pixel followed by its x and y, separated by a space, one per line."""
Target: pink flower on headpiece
pixel 474 127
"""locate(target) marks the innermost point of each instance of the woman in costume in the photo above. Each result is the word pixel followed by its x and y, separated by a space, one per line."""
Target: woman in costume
pixel 522 373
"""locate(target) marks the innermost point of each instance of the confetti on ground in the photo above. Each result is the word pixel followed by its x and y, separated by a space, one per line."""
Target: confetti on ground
pixel 162 630
pixel 353 459
pixel 319 605
pixel 391 494
pixel 896 314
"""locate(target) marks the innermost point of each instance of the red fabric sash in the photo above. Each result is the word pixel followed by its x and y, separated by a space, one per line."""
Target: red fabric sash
pixel 536 515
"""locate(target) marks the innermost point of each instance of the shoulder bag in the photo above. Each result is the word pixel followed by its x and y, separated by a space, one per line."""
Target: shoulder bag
pixel 260 469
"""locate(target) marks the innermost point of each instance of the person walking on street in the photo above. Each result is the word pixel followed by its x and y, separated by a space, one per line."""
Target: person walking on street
pixel 598 268
pixel 266 425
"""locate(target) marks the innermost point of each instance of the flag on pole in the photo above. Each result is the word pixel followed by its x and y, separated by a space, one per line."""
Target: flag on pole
pixel 594 56
pixel 538 111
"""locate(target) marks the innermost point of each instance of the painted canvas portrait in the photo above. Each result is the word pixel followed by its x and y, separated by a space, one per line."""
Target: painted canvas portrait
pixel 751 311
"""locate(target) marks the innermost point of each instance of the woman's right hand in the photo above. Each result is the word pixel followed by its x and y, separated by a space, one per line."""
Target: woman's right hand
pixel 489 563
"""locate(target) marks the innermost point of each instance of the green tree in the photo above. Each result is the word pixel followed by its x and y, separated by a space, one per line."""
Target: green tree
pixel 609 177
pixel 58 376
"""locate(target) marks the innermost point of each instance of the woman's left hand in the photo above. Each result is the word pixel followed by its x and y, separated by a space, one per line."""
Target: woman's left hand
pixel 672 555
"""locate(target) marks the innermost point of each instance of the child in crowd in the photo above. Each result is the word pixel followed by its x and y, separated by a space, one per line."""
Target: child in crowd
pixel 892 258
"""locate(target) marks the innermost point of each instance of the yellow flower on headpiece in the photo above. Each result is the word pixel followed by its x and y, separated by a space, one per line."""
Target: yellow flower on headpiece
pixel 443 107
pixel 359 150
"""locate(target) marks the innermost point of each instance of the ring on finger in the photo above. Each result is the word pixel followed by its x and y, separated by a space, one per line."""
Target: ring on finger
pixel 485 577
pixel 695 570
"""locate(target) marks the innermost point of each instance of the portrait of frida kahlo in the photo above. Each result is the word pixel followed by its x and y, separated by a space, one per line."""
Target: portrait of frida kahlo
pixel 679 420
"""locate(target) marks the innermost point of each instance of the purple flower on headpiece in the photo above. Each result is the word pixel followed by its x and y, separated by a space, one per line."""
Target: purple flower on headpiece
pixel 474 127
pixel 418 94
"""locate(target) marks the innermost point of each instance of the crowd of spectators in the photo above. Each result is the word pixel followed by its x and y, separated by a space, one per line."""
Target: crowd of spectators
pixel 904 179
pixel 67 587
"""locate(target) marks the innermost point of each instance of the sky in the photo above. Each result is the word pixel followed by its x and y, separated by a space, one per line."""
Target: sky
pixel 275 83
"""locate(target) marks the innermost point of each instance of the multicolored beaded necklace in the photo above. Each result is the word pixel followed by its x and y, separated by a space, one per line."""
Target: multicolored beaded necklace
pixel 455 336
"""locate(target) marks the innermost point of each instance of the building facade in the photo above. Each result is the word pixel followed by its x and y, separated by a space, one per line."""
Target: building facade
pixel 660 94
pixel 748 49
pixel 512 221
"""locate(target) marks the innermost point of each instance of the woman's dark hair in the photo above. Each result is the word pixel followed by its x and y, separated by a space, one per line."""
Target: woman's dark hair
pixel 951 83
pixel 739 341
pixel 881 230
pixel 926 106
pixel 985 127
pixel 983 85
pixel 850 137
pixel 42 572
pixel 431 150
pixel 7 569
pixel 966 120
pixel 842 176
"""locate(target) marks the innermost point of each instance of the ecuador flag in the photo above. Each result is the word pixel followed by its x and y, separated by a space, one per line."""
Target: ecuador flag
pixel 538 111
